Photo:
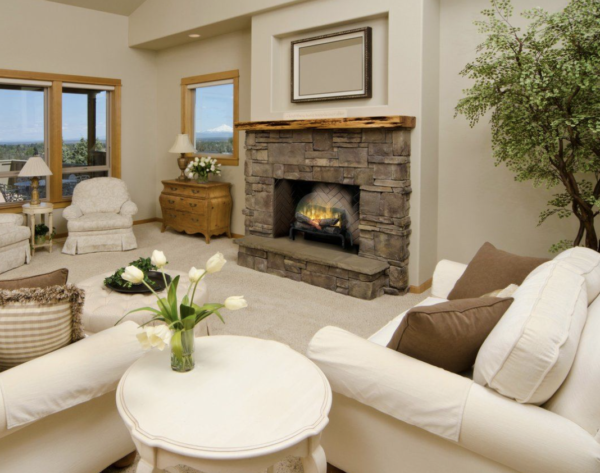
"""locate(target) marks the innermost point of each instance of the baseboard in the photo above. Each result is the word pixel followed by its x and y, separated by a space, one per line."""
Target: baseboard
pixel 422 288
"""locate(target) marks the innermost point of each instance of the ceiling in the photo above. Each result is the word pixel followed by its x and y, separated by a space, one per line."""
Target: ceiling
pixel 119 7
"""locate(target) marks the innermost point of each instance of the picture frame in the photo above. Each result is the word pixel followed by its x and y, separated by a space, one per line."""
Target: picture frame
pixel 336 66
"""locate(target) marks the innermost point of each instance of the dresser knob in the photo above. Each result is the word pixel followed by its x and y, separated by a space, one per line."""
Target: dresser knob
pixel 173 188
pixel 195 191
pixel 193 205
pixel 171 201
pixel 172 215
pixel 195 220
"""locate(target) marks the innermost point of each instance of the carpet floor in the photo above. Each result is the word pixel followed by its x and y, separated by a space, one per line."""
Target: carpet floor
pixel 279 309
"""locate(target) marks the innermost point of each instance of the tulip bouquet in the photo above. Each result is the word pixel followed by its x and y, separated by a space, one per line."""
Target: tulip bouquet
pixel 179 318
pixel 200 168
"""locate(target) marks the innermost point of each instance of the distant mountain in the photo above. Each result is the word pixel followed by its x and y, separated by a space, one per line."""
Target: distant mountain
pixel 220 129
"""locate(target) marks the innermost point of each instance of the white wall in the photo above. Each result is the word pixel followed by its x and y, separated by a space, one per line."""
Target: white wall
pixel 405 70
pixel 216 54
pixel 43 36
pixel 479 202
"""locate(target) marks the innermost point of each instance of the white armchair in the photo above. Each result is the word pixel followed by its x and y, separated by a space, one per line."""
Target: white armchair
pixel 100 217
pixel 394 414
pixel 14 242
pixel 58 412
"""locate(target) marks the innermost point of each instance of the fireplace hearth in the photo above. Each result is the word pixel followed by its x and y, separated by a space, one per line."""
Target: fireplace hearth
pixel 344 188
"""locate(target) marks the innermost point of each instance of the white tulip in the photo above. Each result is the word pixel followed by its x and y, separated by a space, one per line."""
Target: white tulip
pixel 195 274
pixel 202 164
pixel 159 259
pixel 215 263
pixel 158 337
pixel 133 275
pixel 235 303
pixel 197 159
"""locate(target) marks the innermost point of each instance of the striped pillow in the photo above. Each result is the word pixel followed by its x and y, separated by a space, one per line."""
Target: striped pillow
pixel 36 321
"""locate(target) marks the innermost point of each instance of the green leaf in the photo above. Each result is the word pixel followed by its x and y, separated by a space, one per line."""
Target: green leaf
pixel 142 309
pixel 189 322
pixel 172 296
pixel 176 347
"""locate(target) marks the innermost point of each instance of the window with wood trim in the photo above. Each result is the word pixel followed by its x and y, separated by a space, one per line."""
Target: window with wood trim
pixel 209 105
pixel 73 122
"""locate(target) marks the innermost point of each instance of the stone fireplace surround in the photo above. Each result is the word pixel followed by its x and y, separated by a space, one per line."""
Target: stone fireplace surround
pixel 372 153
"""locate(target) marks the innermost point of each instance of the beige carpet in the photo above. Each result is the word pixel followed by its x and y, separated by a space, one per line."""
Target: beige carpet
pixel 279 309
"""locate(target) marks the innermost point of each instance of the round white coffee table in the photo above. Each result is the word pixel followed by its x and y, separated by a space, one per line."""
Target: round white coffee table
pixel 246 405
pixel 104 307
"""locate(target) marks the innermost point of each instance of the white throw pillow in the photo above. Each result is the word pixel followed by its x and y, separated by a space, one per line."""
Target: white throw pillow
pixel 586 262
pixel 529 353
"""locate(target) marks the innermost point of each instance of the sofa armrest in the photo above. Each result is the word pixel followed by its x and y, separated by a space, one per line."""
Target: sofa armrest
pixel 445 276
pixel 72 212
pixel 397 385
pixel 11 219
pixel 67 377
pixel 129 209
pixel 524 437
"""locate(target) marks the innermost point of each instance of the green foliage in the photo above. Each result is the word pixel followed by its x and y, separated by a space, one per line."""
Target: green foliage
pixel 215 146
pixel 143 264
pixel 74 154
pixel 41 230
pixel 542 87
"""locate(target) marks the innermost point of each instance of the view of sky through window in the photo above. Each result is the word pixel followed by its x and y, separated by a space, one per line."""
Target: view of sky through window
pixel 214 119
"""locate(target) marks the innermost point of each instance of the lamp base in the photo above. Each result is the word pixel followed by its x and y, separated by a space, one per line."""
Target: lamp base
pixel 182 163
pixel 35 194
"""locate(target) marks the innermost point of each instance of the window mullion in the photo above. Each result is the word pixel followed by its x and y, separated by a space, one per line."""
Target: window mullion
pixel 55 128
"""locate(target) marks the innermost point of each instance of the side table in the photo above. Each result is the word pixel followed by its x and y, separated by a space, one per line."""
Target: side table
pixel 247 405
pixel 45 210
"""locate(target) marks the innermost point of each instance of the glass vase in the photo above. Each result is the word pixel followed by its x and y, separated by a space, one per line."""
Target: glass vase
pixel 182 351
pixel 202 179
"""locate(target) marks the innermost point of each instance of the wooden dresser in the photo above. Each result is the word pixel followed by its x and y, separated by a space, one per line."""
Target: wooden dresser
pixel 197 208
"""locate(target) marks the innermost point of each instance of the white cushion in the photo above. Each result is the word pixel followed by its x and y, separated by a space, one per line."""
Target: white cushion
pixel 586 262
pixel 529 353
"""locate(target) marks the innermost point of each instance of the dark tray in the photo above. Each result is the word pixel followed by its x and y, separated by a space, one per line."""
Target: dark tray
pixel 155 276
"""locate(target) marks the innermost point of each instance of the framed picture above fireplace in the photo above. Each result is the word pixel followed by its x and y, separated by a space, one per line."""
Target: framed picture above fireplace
pixel 335 66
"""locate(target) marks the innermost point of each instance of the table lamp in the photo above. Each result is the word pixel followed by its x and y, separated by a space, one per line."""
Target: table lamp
pixel 35 167
pixel 182 145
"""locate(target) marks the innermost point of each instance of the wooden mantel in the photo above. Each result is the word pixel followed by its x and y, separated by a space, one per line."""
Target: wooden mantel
pixel 393 121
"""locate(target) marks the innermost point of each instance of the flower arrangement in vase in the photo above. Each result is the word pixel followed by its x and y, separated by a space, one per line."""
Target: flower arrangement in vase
pixel 200 168
pixel 179 318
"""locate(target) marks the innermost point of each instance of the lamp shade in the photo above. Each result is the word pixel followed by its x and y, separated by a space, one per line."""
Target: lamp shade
pixel 182 145
pixel 35 167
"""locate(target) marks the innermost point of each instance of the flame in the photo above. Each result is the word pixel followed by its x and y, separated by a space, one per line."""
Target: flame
pixel 318 212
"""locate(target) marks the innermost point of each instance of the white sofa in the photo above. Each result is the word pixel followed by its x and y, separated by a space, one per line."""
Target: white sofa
pixel 58 412
pixel 100 217
pixel 395 414
pixel 14 242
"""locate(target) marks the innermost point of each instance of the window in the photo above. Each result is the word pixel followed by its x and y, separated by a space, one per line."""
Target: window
pixel 23 133
pixel 210 105
pixel 73 122
pixel 85 136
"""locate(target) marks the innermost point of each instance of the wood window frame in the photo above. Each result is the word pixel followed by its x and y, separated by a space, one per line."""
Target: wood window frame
pixel 188 100
pixel 54 117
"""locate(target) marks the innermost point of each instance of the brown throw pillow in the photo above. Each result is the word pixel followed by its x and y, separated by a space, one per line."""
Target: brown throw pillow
pixel 492 269
pixel 54 278
pixel 449 334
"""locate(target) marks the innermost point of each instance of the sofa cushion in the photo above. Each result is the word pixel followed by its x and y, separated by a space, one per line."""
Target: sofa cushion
pixel 529 353
pixel 37 321
pixel 54 278
pixel 10 234
pixel 448 335
pixel 586 262
pixel 492 269
pixel 99 221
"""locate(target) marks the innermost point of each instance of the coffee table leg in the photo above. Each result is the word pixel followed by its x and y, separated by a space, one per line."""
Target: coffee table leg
pixel 316 461
pixel 144 467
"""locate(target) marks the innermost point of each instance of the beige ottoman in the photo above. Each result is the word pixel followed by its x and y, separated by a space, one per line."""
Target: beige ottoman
pixel 104 307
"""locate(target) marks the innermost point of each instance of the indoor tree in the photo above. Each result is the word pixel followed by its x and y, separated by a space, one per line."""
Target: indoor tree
pixel 542 87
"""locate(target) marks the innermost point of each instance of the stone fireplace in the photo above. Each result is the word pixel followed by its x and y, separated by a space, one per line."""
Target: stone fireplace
pixel 354 170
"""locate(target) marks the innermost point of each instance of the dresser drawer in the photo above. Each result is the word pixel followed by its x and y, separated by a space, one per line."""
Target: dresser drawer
pixel 186 220
pixel 198 192
pixel 184 204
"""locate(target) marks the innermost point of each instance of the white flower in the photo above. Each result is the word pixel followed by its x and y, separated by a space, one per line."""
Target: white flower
pixel 195 274
pixel 159 259
pixel 215 263
pixel 235 303
pixel 158 337
pixel 202 164
pixel 212 168
pixel 133 275
pixel 197 159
